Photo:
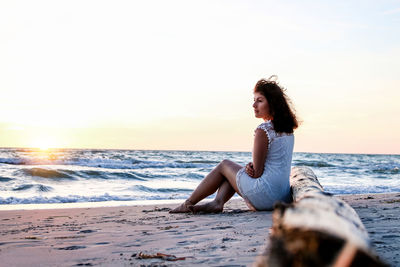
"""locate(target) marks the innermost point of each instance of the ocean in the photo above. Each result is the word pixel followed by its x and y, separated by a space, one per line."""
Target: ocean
pixel 32 176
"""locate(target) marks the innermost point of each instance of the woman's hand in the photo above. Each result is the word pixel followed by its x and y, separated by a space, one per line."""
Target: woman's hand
pixel 249 169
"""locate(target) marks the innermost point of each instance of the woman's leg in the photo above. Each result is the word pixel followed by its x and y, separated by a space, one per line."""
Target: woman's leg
pixel 225 192
pixel 224 172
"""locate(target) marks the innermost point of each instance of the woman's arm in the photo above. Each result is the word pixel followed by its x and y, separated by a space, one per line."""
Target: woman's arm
pixel 260 150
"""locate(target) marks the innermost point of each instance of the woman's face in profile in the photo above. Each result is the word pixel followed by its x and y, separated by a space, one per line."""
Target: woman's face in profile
pixel 261 107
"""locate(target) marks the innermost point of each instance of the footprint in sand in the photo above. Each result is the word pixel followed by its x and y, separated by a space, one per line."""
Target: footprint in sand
pixel 102 243
pixel 72 248
pixel 86 231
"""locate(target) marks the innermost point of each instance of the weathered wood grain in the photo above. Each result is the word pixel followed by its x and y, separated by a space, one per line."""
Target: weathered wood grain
pixel 315 229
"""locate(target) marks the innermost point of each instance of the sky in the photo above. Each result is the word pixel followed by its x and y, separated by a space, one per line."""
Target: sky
pixel 179 75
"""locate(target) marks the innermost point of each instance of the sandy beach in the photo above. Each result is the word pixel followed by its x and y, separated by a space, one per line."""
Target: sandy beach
pixel 124 236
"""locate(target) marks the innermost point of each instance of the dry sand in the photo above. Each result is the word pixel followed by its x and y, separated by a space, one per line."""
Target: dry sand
pixel 114 236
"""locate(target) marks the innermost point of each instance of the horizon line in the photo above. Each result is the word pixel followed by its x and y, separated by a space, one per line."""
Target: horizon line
pixel 189 150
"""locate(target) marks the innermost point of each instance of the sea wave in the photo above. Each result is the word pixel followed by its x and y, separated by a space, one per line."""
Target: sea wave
pixel 76 198
pixel 110 175
pixel 14 161
pixel 62 174
pixel 312 163
pixel 143 188
pixel 108 163
pixel 387 170
pixel 198 161
pixel 355 189
pixel 37 187
pixel 48 173
pixel 5 179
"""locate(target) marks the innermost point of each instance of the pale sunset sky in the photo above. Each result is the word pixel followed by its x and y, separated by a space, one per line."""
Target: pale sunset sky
pixel 179 74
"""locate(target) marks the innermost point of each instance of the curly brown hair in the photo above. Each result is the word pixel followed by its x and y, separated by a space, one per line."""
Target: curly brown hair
pixel 281 108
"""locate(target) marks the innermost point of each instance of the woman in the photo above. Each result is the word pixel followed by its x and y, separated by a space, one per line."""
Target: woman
pixel 266 179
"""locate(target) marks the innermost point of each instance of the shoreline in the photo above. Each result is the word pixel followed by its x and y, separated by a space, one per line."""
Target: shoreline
pixel 114 236
pixel 124 203
pixel 98 204
pixel 79 205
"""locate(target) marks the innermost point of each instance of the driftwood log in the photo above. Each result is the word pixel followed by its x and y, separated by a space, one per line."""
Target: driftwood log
pixel 317 229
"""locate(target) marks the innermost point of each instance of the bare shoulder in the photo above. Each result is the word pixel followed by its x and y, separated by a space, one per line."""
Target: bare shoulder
pixel 260 135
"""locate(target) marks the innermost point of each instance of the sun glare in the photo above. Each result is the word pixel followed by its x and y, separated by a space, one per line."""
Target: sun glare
pixel 44 143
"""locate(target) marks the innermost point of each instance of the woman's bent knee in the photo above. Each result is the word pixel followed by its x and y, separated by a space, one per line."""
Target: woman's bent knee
pixel 225 162
pixel 230 165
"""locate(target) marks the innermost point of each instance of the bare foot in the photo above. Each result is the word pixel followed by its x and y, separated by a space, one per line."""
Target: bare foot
pixel 251 207
pixel 210 207
pixel 183 208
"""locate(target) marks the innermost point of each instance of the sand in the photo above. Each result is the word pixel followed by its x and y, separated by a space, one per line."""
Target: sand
pixel 380 214
pixel 115 236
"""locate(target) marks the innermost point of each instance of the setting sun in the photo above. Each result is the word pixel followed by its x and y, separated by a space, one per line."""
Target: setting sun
pixel 44 143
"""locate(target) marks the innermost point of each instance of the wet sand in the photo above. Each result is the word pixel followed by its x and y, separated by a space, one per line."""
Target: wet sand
pixel 116 236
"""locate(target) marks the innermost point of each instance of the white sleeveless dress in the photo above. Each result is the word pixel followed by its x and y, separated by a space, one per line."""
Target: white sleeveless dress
pixel 273 185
